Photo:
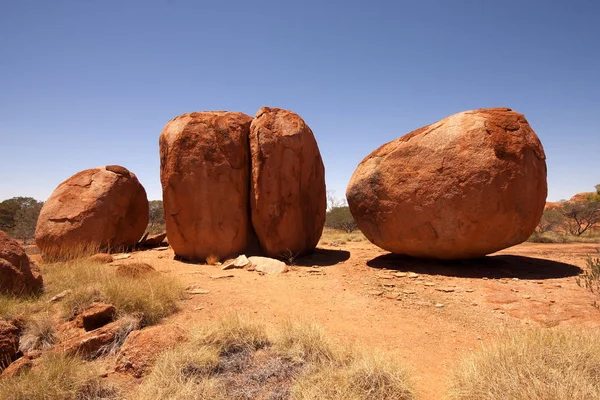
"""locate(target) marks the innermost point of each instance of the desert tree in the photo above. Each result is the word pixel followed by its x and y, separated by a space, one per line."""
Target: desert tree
pixel 551 220
pixel 156 222
pixel 25 220
pixel 340 218
pixel 581 216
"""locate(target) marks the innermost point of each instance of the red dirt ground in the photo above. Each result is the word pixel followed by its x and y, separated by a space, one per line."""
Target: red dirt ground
pixel 429 321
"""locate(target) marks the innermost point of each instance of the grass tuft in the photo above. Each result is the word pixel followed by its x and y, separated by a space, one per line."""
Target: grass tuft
pixel 39 334
pixel 306 342
pixel 232 334
pixel 364 376
pixel 535 365
pixel 152 297
pixel 57 377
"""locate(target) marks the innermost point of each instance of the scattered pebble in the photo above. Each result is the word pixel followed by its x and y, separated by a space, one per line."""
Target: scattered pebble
pixel 197 291
pixel 412 275
pixel 526 296
pixel 408 291
pixel 429 284
pixel 439 305
pixel 61 295
pixel 446 290
pixel 400 274
pixel 221 276
pixel 469 290
pixel 375 292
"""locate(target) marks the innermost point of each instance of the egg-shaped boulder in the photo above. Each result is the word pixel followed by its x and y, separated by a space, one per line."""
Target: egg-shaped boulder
pixel 98 209
pixel 205 175
pixel 466 186
pixel 287 193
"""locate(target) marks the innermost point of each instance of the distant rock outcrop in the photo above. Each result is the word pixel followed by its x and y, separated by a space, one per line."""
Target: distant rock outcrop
pixel 205 171
pixel 96 209
pixel 466 186
pixel 18 275
pixel 287 198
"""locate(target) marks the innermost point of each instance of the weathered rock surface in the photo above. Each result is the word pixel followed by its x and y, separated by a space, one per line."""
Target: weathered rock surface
pixel 582 197
pixel 142 348
pixel 9 343
pixel 95 316
pixel 18 275
pixel 466 186
pixel 551 205
pixel 92 344
pixel 204 170
pixel 154 240
pixel 21 364
pixel 100 208
pixel 268 265
pixel 287 193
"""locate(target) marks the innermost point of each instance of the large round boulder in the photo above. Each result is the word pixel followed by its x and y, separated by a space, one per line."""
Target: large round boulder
pixel 287 193
pixel 204 171
pixel 18 275
pixel 466 186
pixel 103 208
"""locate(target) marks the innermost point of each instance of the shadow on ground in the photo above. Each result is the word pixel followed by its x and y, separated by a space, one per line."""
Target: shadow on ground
pixel 322 258
pixel 495 267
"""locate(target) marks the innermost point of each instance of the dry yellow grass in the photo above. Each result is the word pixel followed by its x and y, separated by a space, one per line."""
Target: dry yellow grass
pixel 183 373
pixel 338 237
pixel 232 334
pixel 299 356
pixel 152 297
pixel 364 376
pixel 535 365
pixel 39 334
pixel 58 377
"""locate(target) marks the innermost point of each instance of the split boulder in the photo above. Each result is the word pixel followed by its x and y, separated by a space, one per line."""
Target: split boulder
pixel 205 170
pixel 287 192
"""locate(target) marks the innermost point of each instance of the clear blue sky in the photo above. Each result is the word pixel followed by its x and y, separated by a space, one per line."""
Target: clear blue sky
pixel 85 83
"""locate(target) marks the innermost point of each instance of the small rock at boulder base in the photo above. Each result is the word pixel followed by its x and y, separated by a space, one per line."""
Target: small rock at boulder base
pixel 205 174
pixel 103 208
pixel 268 265
pixel 466 186
pixel 287 193
pixel 154 240
pixel 18 275
pixel 9 343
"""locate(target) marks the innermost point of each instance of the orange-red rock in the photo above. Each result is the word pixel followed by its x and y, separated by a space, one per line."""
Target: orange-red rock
pixel 287 193
pixel 551 205
pixel 141 348
pixel 582 197
pixel 18 275
pixel 463 187
pixel 100 208
pixel 204 171
pixel 9 343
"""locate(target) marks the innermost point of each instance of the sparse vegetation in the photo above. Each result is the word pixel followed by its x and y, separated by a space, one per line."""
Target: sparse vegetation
pixel 57 377
pixel 590 279
pixel 340 218
pixel 151 297
pixel 337 237
pixel 234 358
pixel 156 222
pixel 40 334
pixel 535 365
